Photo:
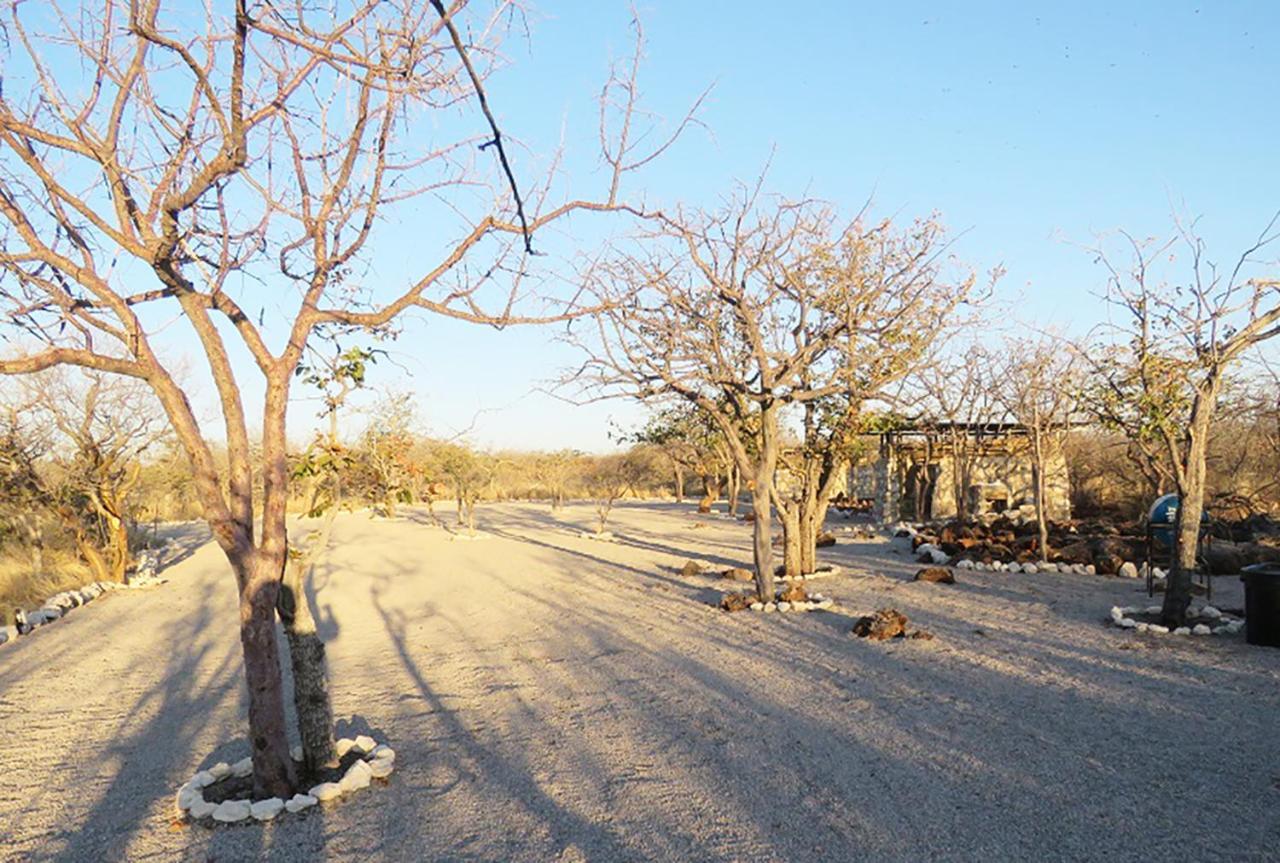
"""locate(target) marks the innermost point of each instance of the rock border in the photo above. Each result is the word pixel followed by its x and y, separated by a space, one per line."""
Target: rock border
pixel 59 605
pixel 815 602
pixel 1230 625
pixel 377 761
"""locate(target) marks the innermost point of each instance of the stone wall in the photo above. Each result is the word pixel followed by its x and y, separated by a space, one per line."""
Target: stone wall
pixel 884 477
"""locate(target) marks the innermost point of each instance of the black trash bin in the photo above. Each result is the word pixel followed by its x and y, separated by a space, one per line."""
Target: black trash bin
pixel 1262 603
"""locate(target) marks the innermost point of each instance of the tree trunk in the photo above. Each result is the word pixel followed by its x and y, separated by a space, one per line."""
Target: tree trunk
pixel 259 582
pixel 763 541
pixel 1037 489
pixel 735 489
pixel 311 701
pixel 35 541
pixel 93 557
pixel 792 540
pixel 710 492
pixel 679 478
pixel 117 546
pixel 1177 593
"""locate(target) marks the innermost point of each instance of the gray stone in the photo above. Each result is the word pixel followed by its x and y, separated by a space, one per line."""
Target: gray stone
pixel 298 802
pixel 232 810
pixel 265 810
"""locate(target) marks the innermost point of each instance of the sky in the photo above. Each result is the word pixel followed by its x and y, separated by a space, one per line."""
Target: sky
pixel 1029 128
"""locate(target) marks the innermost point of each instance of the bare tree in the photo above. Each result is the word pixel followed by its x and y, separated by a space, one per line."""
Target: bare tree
pixel 756 308
pixel 609 478
pixel 553 471
pixel 181 162
pixel 84 461
pixel 1204 321
pixel 1038 389
pixel 957 394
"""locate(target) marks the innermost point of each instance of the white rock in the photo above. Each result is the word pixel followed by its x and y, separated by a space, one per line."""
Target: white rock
pixel 1153 609
pixel 187 796
pixel 1210 612
pixel 380 768
pixel 202 808
pixel 202 779
pixel 382 750
pixel 1182 630
pixel 769 606
pixel 1090 569
pixel 826 603
pixel 1201 629
pixel 326 791
pixel 1127 623
pixel 1157 628
pixel 1220 630
pixel 232 810
pixel 243 767
pixel 1143 627
pixel 298 802
pixel 1030 568
pixel 221 770
pixel 784 606
pixel 1235 626
pixel 1117 613
pixel 343 745
pixel 1128 570
pixel 965 564
pixel 757 606
pixel 1157 572
pixel 365 743
pixel 356 777
pixel 265 810
pixel 51 612
pixel 939 556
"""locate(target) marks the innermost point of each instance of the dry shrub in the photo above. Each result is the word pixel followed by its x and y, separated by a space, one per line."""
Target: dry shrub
pixel 22 588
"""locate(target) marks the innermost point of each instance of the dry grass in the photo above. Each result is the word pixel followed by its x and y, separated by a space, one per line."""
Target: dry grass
pixel 22 588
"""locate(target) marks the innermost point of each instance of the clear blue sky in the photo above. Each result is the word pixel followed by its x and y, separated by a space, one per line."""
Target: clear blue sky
pixel 1027 128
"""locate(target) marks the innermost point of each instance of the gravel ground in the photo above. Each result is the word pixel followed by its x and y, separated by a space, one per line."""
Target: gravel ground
pixel 553 698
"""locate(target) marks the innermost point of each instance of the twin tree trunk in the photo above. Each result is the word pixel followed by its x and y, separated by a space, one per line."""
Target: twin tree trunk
pixel 804 515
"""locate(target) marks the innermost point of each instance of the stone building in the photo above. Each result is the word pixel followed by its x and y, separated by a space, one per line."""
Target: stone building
pixel 916 473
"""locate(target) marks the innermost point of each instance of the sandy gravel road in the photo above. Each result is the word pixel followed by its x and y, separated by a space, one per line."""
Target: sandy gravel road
pixel 553 698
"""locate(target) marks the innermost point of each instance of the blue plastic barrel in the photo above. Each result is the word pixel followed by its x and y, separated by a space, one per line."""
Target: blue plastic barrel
pixel 1162 518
